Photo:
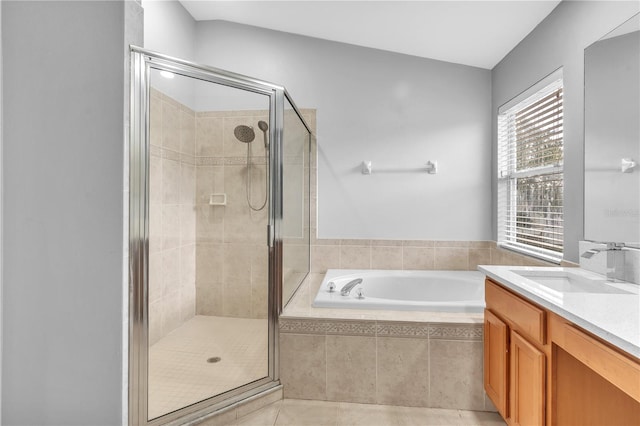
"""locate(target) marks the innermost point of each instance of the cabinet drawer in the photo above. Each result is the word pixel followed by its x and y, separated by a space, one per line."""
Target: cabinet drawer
pixel 524 316
pixel 614 367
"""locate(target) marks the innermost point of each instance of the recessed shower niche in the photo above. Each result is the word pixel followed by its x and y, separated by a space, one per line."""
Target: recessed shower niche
pixel 219 178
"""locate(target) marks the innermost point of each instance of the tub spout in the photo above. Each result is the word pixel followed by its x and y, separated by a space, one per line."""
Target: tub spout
pixel 349 286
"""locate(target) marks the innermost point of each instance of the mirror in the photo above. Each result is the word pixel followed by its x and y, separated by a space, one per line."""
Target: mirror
pixel 612 136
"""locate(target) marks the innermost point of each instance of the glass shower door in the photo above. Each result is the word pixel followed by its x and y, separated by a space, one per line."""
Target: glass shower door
pixel 208 257
pixel 295 201
pixel 201 206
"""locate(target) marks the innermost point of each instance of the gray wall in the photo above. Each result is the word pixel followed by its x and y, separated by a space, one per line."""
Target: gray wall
pixel 173 33
pixel 559 41
pixel 397 111
pixel 63 110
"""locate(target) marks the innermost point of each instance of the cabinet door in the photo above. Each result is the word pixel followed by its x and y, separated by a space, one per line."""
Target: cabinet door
pixel 496 361
pixel 527 395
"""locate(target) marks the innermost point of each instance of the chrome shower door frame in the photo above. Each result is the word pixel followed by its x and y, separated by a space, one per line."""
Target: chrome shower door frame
pixel 142 61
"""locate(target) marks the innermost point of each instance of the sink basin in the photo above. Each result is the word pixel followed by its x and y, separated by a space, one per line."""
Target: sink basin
pixel 569 282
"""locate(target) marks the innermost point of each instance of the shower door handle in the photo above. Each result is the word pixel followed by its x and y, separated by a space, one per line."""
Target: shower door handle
pixel 269 236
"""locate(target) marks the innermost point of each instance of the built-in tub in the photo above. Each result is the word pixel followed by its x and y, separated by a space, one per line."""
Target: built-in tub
pixel 439 291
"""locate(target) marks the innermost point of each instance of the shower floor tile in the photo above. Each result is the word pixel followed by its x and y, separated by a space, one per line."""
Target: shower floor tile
pixel 179 374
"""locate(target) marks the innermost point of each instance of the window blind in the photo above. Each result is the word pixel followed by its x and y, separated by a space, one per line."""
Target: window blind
pixel 530 175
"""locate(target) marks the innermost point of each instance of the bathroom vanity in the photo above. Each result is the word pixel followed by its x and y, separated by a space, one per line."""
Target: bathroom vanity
pixel 561 347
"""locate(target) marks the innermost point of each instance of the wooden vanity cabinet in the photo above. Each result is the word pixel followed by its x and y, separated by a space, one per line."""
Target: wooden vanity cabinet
pixel 514 359
pixel 527 381
pixel 541 369
pixel 496 361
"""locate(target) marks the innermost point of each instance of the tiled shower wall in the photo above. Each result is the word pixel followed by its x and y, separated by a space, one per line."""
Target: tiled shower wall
pixel 231 255
pixel 172 216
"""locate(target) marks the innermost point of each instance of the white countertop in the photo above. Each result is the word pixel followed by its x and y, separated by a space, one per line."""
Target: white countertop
pixel 614 317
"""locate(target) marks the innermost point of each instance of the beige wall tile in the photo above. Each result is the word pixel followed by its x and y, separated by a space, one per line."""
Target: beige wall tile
pixel 403 373
pixel 155 277
pixel 418 243
pixel 303 366
pixel 209 180
pixel 387 243
pixel 170 270
pixel 209 263
pixel 171 312
pixel 456 375
pixel 459 244
pixel 170 226
pixel 259 299
pixel 351 372
pixel 155 321
pixel 155 180
pixel 419 258
pixel 386 257
pixel 322 241
pixel 259 263
pixel 357 242
pixel 187 302
pixel 452 259
pixel 237 297
pixel 324 257
pixel 210 224
pixel 209 298
pixel 209 137
pixel 235 177
pixel 187 225
pixel 170 127
pixel 188 264
pixel 482 244
pixel 155 121
pixel 187 133
pixel 355 257
pixel 187 184
pixel 237 262
pixel 479 256
pixel 170 181
pixel 155 228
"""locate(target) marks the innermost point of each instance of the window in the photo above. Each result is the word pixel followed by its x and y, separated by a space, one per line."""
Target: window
pixel 530 173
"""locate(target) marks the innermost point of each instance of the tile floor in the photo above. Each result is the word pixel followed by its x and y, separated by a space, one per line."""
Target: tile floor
pixel 179 374
pixel 319 413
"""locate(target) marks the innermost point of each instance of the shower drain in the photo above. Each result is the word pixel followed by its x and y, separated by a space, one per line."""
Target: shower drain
pixel 214 359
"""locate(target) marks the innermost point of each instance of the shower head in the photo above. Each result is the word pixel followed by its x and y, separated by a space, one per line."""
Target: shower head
pixel 264 127
pixel 244 133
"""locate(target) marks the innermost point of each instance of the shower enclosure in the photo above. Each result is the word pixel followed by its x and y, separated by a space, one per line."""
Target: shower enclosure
pixel 218 234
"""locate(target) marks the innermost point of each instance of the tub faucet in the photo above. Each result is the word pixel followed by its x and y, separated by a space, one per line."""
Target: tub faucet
pixel 349 286
pixel 612 250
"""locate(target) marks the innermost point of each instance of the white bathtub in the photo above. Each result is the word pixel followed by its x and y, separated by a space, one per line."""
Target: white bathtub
pixel 439 291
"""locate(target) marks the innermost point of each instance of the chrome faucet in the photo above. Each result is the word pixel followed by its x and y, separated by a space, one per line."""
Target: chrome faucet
pixel 349 286
pixel 612 249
